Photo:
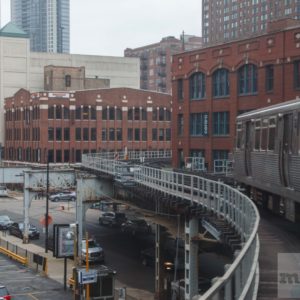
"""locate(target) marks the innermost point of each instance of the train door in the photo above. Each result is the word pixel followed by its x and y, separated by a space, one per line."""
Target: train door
pixel 285 147
pixel 248 148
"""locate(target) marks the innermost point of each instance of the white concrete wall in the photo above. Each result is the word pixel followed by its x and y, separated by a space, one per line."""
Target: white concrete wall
pixel 14 71
pixel 122 71
pixel 20 68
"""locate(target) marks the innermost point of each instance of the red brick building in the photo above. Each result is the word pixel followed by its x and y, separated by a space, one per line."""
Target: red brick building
pixel 212 85
pixel 68 124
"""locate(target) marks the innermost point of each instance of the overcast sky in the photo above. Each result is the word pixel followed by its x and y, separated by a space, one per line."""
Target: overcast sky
pixel 108 27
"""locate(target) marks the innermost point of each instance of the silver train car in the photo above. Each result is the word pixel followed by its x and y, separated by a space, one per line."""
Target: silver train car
pixel 267 157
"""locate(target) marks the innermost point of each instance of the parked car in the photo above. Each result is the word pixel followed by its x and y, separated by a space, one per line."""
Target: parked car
pixel 112 218
pixel 63 196
pixel 4 294
pixel 5 222
pixel 17 229
pixel 136 226
pixel 3 191
pixel 96 253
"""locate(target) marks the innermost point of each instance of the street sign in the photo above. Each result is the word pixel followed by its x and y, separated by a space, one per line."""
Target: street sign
pixel 85 277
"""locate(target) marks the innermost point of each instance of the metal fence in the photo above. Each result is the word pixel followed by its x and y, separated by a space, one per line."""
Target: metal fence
pixel 34 261
pixel 240 280
pixel 133 155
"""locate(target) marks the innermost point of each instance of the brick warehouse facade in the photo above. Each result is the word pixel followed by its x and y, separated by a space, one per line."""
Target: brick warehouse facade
pixel 213 85
pixel 69 124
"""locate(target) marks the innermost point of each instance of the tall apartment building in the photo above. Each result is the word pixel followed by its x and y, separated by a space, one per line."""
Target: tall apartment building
pixel 211 86
pixel 155 60
pixel 46 22
pixel 234 19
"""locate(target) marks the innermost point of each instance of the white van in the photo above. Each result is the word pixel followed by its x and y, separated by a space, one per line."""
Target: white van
pixel 3 191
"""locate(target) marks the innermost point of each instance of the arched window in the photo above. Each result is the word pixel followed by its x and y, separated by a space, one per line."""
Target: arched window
pixel 197 86
pixel 93 113
pixel 247 78
pixel 58 112
pixel 112 113
pixel 130 114
pixel 104 114
pixel 221 83
pixel 118 114
pixel 50 112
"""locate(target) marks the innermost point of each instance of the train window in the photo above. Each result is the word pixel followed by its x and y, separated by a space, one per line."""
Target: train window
pixel 271 137
pixel 264 134
pixel 257 135
pixel 239 133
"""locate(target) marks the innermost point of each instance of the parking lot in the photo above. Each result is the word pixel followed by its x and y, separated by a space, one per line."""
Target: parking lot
pixel 23 283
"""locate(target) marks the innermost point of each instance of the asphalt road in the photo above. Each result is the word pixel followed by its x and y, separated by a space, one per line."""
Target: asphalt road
pixel 122 251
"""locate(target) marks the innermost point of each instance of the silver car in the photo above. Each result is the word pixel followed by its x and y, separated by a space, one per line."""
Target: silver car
pixel 5 222
pixel 63 196
pixel 96 253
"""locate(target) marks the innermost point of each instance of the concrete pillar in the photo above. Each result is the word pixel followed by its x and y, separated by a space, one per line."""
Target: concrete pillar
pixel 289 209
pixel 191 259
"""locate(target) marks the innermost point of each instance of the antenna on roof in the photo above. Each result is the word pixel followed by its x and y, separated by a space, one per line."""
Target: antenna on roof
pixel 182 40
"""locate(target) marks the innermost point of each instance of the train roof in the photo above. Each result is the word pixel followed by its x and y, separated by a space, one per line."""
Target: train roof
pixel 271 110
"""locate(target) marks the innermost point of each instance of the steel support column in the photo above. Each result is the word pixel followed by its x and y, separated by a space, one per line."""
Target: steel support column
pixel 191 258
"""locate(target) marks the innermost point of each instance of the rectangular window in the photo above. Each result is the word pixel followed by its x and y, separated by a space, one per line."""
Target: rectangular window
pixel 111 113
pixel 180 124
pixel 297 74
pixel 50 113
pixel 144 114
pixel 239 134
pixel 130 134
pixel 221 123
pixel 111 134
pixel 104 134
pixel 199 124
pixel 168 134
pixel 93 134
pixel 58 134
pixel 272 132
pixel 85 134
pixel 154 134
pixel 66 156
pixel 180 90
pixel 119 134
pixel 50 134
pixel 85 113
pixel 66 113
pixel 78 113
pixel 264 134
pixel 78 155
pixel 78 134
pixel 154 114
pixel 257 135
pixel 144 134
pixel 136 134
pixel 58 156
pixel 136 114
pixel 220 154
pixel 161 134
pixel 66 134
pixel 269 78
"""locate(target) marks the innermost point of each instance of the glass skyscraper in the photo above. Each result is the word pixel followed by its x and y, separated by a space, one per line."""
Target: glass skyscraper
pixel 46 21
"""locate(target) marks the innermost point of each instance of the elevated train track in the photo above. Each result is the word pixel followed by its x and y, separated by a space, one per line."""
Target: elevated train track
pixel 228 209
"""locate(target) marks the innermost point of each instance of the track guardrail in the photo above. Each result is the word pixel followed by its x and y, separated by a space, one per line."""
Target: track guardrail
pixel 240 280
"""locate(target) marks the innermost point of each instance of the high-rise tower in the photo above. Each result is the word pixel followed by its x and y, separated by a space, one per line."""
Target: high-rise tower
pixel 47 22
pixel 234 19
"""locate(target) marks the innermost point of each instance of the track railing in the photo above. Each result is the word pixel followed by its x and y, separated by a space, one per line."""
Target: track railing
pixel 240 280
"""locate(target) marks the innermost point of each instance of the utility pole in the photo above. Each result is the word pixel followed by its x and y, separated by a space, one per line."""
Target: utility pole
pixel 47 207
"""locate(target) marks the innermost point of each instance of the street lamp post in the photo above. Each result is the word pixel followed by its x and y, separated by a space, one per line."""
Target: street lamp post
pixel 47 206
